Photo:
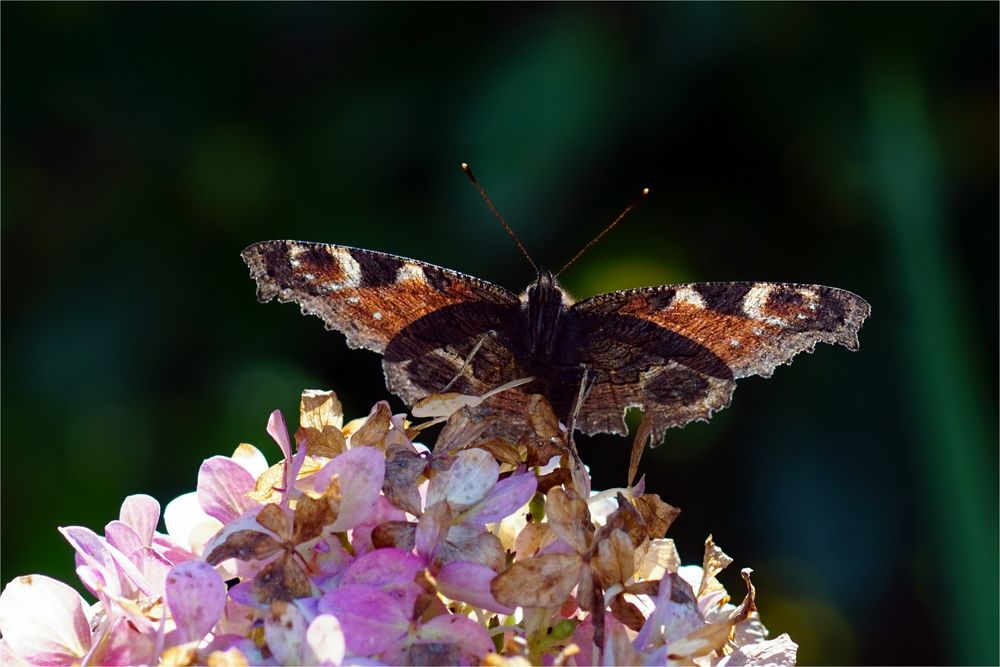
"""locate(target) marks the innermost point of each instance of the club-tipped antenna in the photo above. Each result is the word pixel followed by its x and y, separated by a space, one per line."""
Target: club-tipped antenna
pixel 489 203
pixel 635 202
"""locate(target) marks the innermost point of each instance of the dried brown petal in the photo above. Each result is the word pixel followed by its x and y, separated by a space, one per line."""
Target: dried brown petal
pixel 557 477
pixel 284 579
pixel 312 515
pixel 530 539
pixel 372 433
pixel 321 418
pixel 402 470
pixel 541 450
pixel 244 545
pixel 749 604
pixel 643 587
pixel 399 534
pixel 541 581
pixel 542 418
pixel 483 548
pixel 715 562
pixel 569 518
pixel 460 431
pixel 627 613
pixel 639 442
pixel 269 484
pixel 614 561
pixel 274 518
pixel 502 450
pixel 657 514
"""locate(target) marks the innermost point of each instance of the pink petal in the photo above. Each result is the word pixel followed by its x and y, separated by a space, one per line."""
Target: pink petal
pixel 122 536
pixel 118 571
pixel 470 477
pixel 326 641
pixel 42 621
pixel 223 486
pixel 392 571
pixel 370 619
pixel 154 567
pixel 361 536
pixel 141 513
pixel 276 429
pixel 361 472
pixel 508 496
pixel 124 645
pixel 470 582
pixel 196 596
pixel 187 524
pixel 470 636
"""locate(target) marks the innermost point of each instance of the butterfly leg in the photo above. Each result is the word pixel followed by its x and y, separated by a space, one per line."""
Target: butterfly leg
pixel 469 358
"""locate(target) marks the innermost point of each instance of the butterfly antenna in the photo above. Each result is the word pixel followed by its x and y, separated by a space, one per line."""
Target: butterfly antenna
pixel 635 202
pixel 486 198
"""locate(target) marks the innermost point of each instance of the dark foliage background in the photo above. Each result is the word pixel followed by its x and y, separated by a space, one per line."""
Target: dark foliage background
pixel 846 144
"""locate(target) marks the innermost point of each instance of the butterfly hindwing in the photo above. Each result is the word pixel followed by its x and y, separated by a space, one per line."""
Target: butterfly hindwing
pixel 688 343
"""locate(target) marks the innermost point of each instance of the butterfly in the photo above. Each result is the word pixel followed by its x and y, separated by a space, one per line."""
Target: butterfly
pixel 675 351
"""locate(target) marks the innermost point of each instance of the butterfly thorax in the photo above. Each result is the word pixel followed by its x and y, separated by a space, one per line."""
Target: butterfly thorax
pixel 543 304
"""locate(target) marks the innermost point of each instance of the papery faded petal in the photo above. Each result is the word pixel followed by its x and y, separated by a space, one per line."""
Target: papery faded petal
pixel 471 638
pixel 141 513
pixel 285 633
pixel 661 557
pixel 540 581
pixel 443 405
pixel 42 621
pixel 196 596
pixel 325 641
pixel 154 567
pixel 223 485
pixel 470 477
pixel 778 651
pixel 475 546
pixel 361 472
pixel 370 619
pixel 188 524
pixel 96 552
pixel 505 498
pixel 470 583
pixel 569 518
pixel 244 539
pixel 250 459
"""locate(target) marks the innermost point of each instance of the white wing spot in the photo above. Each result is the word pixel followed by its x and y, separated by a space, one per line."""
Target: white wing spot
pixel 733 342
pixel 377 315
pixel 353 299
pixel 350 267
pixel 689 296
pixel 410 272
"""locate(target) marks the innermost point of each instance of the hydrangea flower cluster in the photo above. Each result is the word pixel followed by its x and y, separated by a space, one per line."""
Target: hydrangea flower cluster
pixel 363 547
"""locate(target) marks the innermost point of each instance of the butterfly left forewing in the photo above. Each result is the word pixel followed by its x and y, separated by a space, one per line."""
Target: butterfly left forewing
pixel 690 342
pixel 368 296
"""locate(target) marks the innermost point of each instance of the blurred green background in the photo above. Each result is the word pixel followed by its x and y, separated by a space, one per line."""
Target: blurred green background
pixel 852 145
